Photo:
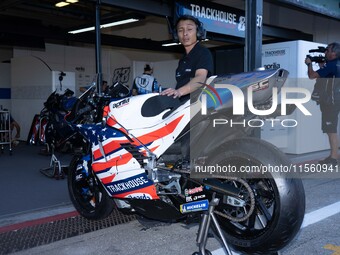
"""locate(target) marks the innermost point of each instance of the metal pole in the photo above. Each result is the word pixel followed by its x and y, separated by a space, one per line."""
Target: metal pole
pixel 253 45
pixel 98 49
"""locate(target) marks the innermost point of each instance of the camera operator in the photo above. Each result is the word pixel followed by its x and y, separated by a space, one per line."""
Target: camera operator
pixel 329 74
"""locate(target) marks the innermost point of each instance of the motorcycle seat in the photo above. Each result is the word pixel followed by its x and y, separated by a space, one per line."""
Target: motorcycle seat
pixel 155 105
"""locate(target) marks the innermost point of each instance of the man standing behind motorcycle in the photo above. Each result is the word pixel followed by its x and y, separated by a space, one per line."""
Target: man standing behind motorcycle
pixel 329 108
pixel 196 64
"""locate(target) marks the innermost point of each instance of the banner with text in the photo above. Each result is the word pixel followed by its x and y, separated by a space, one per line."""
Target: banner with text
pixel 216 18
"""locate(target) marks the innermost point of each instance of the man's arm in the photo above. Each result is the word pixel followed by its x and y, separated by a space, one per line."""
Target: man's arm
pixel 134 88
pixel 191 86
pixel 311 73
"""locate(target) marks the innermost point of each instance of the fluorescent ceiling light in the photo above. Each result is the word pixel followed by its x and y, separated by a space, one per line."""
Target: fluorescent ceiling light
pixel 61 4
pixel 117 23
pixel 111 24
pixel 170 44
pixel 72 1
pixel 81 30
pixel 173 43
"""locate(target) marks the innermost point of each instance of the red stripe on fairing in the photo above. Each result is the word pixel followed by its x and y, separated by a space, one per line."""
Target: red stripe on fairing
pixel 159 133
pixel 151 190
pixel 109 179
pixel 106 110
pixel 111 121
pixel 117 161
pixel 145 139
pixel 108 148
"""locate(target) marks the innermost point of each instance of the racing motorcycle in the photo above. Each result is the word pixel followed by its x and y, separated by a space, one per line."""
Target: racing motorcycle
pixel 49 127
pixel 137 161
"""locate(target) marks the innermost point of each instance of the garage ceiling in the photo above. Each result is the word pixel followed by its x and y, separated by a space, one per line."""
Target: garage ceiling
pixel 32 23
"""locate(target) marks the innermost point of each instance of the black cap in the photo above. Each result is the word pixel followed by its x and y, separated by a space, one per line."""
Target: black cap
pixel 147 67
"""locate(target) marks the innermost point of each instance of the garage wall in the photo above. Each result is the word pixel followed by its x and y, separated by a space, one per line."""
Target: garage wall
pixel 118 63
pixel 5 86
pixel 323 29
pixel 31 74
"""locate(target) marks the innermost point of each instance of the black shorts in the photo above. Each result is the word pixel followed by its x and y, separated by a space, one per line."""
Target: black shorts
pixel 329 118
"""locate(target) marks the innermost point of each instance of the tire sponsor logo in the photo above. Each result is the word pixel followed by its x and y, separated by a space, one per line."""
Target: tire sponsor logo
pixel 196 206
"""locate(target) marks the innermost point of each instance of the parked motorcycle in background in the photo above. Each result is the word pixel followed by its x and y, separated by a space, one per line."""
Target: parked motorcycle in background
pixel 127 165
pixel 51 129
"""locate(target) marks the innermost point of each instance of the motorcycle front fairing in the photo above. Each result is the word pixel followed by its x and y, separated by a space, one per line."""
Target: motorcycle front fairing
pixel 112 161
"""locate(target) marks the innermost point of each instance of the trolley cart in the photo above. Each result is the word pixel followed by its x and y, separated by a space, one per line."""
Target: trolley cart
pixel 5 130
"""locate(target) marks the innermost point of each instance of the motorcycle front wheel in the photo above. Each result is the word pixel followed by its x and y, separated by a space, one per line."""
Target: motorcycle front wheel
pixel 273 205
pixel 86 193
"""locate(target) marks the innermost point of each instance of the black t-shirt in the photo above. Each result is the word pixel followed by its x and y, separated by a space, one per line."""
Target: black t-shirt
pixel 198 58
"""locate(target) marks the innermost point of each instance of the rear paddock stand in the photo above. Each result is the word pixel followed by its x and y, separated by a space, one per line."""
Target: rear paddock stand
pixel 205 224
pixel 55 170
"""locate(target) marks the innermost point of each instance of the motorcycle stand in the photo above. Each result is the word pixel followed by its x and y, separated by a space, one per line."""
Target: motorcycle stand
pixel 55 170
pixel 205 224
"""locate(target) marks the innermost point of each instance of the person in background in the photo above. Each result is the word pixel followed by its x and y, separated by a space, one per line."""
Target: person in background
pixel 14 125
pixel 145 83
pixel 105 87
pixel 197 63
pixel 330 103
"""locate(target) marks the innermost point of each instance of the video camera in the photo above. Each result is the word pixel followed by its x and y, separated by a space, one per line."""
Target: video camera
pixel 320 58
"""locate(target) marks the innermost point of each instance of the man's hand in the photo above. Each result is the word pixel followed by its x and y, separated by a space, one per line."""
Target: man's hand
pixel 171 92
pixel 308 61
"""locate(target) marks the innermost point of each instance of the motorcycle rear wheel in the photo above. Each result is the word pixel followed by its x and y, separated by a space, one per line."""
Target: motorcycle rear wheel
pixel 279 201
pixel 86 193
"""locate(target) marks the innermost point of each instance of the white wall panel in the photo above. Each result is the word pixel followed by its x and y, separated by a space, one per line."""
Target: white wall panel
pixel 307 135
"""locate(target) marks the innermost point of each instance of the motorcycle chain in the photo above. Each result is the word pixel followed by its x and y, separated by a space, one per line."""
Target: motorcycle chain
pixel 251 196
pixel 245 184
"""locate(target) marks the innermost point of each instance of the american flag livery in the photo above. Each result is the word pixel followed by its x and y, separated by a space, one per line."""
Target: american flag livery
pixel 120 173
pixel 122 146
